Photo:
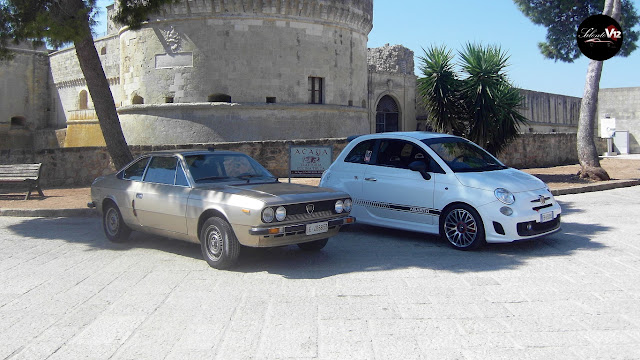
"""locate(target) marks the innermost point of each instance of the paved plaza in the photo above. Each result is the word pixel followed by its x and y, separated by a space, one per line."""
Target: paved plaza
pixel 372 293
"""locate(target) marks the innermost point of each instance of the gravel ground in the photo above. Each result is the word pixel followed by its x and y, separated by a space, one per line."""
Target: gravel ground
pixel 559 177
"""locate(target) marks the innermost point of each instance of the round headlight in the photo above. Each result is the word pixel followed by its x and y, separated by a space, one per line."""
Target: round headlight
pixel 339 206
pixel 281 213
pixel 505 196
pixel 347 205
pixel 267 215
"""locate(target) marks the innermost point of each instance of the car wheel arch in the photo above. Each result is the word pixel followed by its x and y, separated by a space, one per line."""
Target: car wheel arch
pixel 454 203
pixel 208 214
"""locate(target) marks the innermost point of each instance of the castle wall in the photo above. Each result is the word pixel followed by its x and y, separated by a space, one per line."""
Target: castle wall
pixel 622 104
pixel 80 166
pixel 550 112
pixel 24 97
pixel 391 72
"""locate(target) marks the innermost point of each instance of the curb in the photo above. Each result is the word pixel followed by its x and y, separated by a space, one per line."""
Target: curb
pixel 49 212
pixel 613 184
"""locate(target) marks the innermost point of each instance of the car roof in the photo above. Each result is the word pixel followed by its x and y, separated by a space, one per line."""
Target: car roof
pixel 417 135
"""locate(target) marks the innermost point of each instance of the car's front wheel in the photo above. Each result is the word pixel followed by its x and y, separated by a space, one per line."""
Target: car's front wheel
pixel 462 226
pixel 313 245
pixel 114 227
pixel 220 247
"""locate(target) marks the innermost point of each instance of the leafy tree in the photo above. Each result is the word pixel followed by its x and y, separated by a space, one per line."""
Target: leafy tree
pixel 562 18
pixel 479 103
pixel 62 22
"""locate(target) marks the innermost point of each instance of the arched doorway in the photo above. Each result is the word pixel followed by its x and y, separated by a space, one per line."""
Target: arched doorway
pixel 387 115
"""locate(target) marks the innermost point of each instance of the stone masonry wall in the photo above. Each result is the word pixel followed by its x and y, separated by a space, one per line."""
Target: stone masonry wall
pixel 79 166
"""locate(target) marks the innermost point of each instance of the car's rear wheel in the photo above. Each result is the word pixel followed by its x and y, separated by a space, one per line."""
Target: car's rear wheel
pixel 220 247
pixel 462 226
pixel 313 245
pixel 114 227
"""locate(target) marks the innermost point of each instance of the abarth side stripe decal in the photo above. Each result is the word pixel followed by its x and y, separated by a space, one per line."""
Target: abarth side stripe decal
pixel 396 207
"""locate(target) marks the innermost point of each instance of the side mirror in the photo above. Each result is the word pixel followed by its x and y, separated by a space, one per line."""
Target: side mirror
pixel 421 167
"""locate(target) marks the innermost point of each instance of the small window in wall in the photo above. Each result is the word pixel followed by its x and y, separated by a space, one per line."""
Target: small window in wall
pixel 316 90
pixel 168 99
pixel 18 122
pixel 103 51
pixel 217 97
pixel 83 100
pixel 271 99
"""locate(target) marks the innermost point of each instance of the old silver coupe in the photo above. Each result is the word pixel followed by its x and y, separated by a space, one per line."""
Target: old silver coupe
pixel 220 199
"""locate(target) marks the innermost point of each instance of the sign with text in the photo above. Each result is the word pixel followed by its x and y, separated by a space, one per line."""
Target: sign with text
pixel 309 161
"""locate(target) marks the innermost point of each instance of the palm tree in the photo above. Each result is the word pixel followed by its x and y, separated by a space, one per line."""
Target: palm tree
pixel 482 105
pixel 439 90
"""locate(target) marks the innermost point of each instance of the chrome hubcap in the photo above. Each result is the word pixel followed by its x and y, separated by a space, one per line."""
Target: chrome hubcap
pixel 460 228
pixel 214 242
pixel 112 222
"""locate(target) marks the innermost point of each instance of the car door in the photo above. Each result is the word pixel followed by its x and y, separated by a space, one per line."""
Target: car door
pixel 349 175
pixel 161 198
pixel 394 193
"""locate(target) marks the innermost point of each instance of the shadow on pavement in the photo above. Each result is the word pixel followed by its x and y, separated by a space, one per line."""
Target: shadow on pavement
pixel 359 248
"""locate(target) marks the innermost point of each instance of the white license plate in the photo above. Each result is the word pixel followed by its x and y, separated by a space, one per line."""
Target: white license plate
pixel 548 216
pixel 317 228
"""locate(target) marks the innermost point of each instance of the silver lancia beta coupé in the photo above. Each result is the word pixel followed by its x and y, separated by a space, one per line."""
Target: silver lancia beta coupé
pixel 220 199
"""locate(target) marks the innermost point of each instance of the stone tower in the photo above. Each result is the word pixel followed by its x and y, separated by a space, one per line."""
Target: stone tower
pixel 291 68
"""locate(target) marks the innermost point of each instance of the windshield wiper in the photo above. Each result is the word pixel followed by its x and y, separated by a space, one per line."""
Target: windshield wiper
pixel 212 178
pixel 248 177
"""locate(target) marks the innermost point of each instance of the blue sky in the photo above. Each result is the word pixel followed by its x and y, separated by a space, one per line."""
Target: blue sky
pixel 418 24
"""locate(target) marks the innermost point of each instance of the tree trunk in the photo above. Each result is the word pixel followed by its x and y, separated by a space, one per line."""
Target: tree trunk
pixel 102 100
pixel 587 153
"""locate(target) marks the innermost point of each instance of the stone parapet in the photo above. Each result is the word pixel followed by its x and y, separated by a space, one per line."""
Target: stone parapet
pixel 356 15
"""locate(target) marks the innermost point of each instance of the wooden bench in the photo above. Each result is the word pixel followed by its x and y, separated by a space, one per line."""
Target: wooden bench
pixel 28 174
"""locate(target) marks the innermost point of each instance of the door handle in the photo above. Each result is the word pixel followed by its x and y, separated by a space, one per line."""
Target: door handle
pixel 371 179
pixel 139 195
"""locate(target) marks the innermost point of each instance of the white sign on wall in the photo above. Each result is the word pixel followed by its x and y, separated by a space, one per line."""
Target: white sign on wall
pixel 309 161
pixel 607 128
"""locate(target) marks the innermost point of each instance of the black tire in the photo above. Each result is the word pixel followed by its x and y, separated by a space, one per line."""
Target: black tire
pixel 220 247
pixel 114 227
pixel 315 245
pixel 462 227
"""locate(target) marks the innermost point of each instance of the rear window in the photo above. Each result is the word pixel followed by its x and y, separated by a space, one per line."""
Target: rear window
pixel 136 170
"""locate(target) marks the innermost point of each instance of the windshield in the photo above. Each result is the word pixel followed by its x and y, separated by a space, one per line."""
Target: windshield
pixel 208 168
pixel 463 156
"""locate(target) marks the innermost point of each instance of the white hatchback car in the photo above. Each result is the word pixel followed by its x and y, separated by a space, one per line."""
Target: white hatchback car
pixel 441 184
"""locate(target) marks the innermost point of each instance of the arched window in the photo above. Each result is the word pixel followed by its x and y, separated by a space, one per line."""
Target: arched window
pixel 83 100
pixel 387 115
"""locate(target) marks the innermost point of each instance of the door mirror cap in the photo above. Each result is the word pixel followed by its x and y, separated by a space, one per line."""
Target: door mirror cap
pixel 421 167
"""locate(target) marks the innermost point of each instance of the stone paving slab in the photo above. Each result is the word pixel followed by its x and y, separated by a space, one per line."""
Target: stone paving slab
pixel 372 293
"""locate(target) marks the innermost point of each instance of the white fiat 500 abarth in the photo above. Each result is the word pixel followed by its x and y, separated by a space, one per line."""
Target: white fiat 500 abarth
pixel 441 184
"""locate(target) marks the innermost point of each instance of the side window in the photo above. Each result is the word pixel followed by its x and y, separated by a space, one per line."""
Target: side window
pixel 361 153
pixel 181 178
pixel 400 153
pixel 162 170
pixel 136 170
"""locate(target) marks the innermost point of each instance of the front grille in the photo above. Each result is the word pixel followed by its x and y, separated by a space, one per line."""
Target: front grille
pixel 537 228
pixel 543 204
pixel 321 209
pixel 305 216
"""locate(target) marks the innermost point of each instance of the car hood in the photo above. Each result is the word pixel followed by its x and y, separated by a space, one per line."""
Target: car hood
pixel 510 179
pixel 280 191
